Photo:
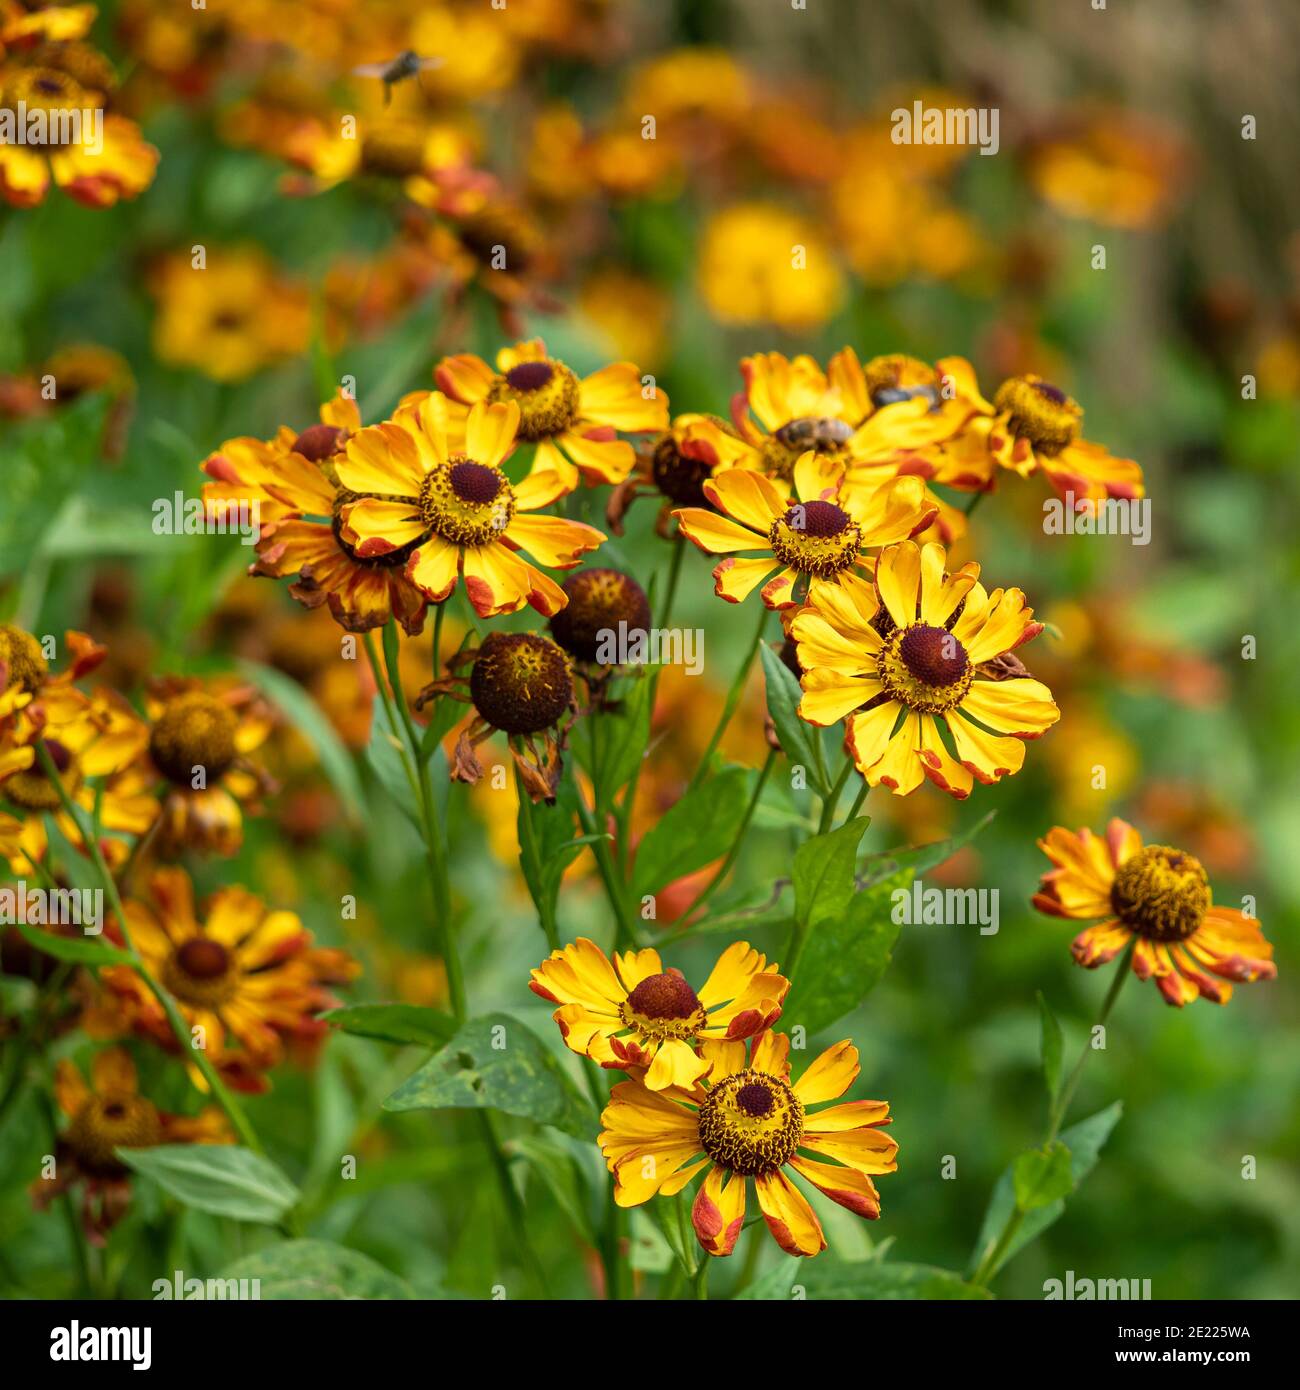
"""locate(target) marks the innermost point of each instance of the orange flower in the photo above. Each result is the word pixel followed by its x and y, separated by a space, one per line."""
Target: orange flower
pixel 1157 899
pixel 107 1115
pixel 448 507
pixel 574 423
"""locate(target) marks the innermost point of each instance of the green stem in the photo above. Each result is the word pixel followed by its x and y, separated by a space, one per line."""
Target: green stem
pixel 700 1284
pixel 733 697
pixel 529 847
pixel 833 799
pixel 1062 1106
pixel 857 802
pixel 514 1203
pixel 990 1264
pixel 625 932
pixel 734 852
pixel 234 1111
pixel 674 575
pixel 432 831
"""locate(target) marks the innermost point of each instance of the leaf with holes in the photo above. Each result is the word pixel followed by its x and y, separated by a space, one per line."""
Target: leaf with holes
pixel 496 1062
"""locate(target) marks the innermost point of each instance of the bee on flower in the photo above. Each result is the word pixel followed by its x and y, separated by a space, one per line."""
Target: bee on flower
pixel 1156 900
pixel 917 648
pixel 743 1120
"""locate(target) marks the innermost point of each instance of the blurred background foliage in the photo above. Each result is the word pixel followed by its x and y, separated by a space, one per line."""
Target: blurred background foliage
pixel 1119 128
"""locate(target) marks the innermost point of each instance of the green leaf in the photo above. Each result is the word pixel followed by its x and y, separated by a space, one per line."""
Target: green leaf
pixel 81 950
pixel 216 1178
pixel 396 1023
pixel 1042 1176
pixel 920 858
pixel 547 844
pixel 824 871
pixel 829 1278
pixel 624 734
pixel 317 1269
pixel 796 735
pixel 497 1062
pixel 845 956
pixel 311 722
pixel 672 1216
pixel 1085 1142
pixel 694 831
pixel 563 1176
pixel 1052 1045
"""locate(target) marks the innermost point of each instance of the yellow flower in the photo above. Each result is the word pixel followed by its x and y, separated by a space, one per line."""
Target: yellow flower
pixel 629 311
pixel 822 533
pixel 631 1013
pixel 293 480
pixel 761 264
pixel 243 974
pixel 746 1120
pixel 200 735
pixel 452 509
pixel 928 646
pixel 233 317
pixel 1033 426
pixel 1109 166
pixel 574 423
pixel 107 1115
pixel 1158 898
pixel 55 84
pixel 86 737
pixel 884 420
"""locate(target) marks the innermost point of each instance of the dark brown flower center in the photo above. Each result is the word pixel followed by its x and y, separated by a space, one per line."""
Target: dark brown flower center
pixel 201 958
pixel 751 1122
pixel 530 376
pixel 1053 393
pixel 755 1100
pixel 474 482
pixel 521 682
pixel 933 655
pixel 599 600
pixel 820 519
pixel 664 996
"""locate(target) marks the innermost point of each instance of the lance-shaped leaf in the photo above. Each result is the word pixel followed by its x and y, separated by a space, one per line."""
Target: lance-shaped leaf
pixel 694 831
pixel 216 1178
pixel 496 1062
pixel 395 1023
pixel 795 735
pixel 316 1269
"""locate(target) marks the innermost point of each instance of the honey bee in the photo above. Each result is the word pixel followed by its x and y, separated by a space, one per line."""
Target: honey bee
pixel 891 395
pixel 407 64
pixel 824 434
